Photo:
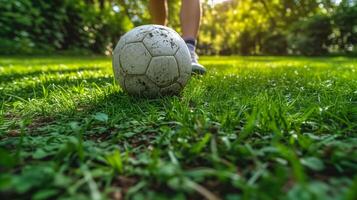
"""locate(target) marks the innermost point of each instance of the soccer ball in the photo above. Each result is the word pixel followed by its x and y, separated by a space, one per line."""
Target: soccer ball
pixel 152 61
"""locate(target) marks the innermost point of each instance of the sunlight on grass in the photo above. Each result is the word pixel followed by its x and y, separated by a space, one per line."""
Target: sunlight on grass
pixel 283 125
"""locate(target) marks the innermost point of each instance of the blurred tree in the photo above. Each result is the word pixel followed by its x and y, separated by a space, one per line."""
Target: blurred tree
pixel 252 27
pixel 345 20
pixel 311 36
pixel 38 26
pixel 248 27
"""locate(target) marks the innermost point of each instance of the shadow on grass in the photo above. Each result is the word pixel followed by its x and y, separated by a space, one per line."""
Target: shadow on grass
pixel 112 103
pixel 6 61
pixel 37 91
pixel 4 78
pixel 120 102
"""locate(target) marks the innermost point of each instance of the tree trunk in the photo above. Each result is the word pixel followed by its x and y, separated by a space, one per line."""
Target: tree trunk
pixel 101 4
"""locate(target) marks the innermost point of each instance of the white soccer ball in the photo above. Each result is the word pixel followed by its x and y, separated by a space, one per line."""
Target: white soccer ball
pixel 152 61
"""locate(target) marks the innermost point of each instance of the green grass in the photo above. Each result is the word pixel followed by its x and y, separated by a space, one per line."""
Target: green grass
pixel 252 128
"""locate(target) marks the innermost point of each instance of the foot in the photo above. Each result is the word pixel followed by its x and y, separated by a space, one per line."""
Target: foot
pixel 197 68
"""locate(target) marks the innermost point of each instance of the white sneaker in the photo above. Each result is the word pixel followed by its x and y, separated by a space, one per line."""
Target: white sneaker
pixel 197 68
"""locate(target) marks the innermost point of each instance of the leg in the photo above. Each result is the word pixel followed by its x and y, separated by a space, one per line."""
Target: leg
pixel 190 17
pixel 158 11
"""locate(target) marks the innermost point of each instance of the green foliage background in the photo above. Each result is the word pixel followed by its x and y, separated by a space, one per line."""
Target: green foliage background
pixel 247 27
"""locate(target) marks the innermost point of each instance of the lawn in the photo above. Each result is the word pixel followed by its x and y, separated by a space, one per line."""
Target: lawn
pixel 252 128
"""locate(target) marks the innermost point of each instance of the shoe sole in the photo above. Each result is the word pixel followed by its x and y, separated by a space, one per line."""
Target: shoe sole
pixel 198 69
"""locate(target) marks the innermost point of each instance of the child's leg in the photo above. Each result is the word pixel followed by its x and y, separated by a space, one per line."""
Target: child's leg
pixel 190 18
pixel 190 22
pixel 158 11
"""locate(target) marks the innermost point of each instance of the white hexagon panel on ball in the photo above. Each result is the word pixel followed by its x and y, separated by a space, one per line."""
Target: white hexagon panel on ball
pixel 135 58
pixel 162 42
pixel 163 70
pixel 152 61
pixel 140 85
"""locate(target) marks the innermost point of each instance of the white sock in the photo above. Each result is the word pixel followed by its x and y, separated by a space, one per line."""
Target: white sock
pixel 191 47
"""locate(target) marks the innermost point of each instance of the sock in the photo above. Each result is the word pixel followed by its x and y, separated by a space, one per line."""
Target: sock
pixel 191 44
pixel 190 41
pixel 191 47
